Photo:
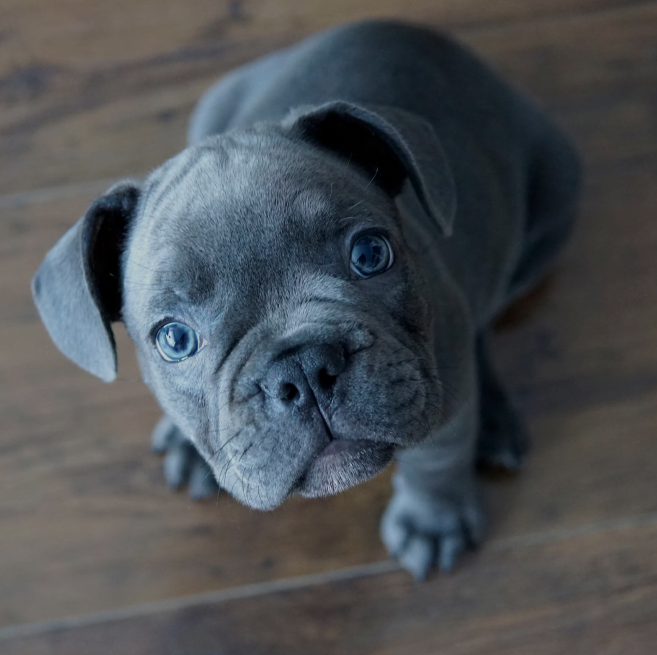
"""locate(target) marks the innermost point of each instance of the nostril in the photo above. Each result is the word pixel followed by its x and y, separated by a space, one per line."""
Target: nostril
pixel 326 380
pixel 288 392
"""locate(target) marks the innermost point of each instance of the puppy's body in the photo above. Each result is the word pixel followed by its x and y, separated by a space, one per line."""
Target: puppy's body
pixel 372 129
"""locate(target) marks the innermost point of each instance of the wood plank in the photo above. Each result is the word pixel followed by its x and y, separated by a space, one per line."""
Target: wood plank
pixel 77 34
pixel 596 313
pixel 590 594
pixel 83 98
pixel 88 525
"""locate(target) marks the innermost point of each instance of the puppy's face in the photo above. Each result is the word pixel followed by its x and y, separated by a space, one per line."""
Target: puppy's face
pixel 279 316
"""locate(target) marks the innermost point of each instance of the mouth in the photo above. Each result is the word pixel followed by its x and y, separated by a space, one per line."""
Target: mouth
pixel 343 464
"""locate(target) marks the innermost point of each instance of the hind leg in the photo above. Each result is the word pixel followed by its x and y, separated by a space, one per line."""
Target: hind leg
pixel 553 187
pixel 503 440
pixel 552 195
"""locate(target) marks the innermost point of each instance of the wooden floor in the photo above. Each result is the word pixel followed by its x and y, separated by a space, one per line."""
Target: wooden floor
pixel 97 556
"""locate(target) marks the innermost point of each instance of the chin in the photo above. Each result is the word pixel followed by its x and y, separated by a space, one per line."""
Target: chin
pixel 342 464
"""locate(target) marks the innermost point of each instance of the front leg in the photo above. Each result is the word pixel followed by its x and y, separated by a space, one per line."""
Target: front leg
pixel 503 439
pixel 183 464
pixel 436 509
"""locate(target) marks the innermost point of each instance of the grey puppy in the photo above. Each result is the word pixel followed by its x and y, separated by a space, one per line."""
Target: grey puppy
pixel 311 283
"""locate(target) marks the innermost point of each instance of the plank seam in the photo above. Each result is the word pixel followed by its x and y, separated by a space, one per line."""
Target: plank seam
pixel 306 581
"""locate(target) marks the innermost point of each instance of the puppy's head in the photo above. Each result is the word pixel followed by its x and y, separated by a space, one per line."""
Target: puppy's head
pixel 279 315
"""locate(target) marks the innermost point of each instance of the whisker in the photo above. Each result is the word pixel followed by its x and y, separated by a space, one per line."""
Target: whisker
pixel 376 172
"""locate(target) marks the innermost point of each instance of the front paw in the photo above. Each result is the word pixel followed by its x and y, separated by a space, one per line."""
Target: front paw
pixel 182 463
pixel 423 530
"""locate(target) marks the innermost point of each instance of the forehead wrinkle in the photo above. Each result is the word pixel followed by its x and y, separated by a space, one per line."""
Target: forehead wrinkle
pixel 312 203
pixel 183 272
pixel 170 195
pixel 169 304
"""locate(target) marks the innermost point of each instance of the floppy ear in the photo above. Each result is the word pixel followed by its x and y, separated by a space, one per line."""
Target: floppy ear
pixel 390 144
pixel 77 288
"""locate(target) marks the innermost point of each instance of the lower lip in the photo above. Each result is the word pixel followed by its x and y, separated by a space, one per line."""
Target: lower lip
pixel 344 463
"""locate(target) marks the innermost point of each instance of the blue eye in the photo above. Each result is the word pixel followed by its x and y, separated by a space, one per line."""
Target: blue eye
pixel 371 254
pixel 177 341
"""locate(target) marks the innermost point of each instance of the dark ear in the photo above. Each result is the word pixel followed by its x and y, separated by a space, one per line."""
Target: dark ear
pixel 77 288
pixel 391 145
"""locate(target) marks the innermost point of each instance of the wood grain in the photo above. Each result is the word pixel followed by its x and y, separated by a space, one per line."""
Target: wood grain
pixel 591 594
pixel 83 98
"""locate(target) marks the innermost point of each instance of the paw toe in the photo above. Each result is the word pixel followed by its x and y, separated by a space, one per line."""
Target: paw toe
pixel 418 556
pixel 449 550
pixel 177 464
pixel 201 481
pixel 394 534
pixel 474 523
pixel 163 434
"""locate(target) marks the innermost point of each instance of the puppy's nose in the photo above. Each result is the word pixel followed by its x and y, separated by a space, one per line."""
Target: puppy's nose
pixel 321 366
pixel 294 379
